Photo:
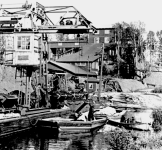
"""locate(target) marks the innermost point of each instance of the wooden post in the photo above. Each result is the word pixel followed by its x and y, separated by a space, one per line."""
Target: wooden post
pixel 66 83
pixel 40 64
pixel 26 88
pixel 117 51
pixel 88 77
pixel 135 49
pixel 46 71
pixel 46 66
pixel 118 54
pixel 29 89
pixel 36 78
pixel 100 81
pixel 48 51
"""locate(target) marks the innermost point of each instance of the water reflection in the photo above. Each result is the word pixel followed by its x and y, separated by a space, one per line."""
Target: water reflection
pixel 32 140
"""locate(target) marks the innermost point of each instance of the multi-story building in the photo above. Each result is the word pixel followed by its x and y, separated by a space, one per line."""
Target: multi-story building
pixel 83 52
pixel 101 36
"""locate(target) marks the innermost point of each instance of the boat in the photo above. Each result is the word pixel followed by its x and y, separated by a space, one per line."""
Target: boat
pixel 31 67
pixel 13 123
pixel 115 120
pixel 69 126
pixel 130 126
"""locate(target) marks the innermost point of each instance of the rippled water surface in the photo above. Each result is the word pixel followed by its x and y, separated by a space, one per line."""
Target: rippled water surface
pixel 31 140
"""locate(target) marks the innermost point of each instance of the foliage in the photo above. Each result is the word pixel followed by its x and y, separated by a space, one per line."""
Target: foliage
pixel 120 140
pixel 157 124
pixel 129 46
pixel 132 140
pixel 151 40
pixel 159 35
pixel 130 37
pixel 110 70
pixel 148 141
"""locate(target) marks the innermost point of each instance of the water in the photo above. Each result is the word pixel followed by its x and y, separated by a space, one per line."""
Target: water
pixel 32 140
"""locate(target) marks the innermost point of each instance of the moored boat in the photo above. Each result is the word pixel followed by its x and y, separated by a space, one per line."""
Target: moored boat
pixel 130 122
pixel 130 126
pixel 16 123
pixel 66 125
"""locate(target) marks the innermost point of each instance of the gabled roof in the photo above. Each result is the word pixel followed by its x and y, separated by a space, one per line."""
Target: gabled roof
pixel 89 50
pixel 72 69
pixel 52 67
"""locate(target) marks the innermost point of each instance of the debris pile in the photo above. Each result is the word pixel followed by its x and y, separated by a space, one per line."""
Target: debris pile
pixel 148 100
pixel 122 85
pixel 108 111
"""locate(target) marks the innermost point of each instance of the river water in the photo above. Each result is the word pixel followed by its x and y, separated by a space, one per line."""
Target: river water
pixel 32 140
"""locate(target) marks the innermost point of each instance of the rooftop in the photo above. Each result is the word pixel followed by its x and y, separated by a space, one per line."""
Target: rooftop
pixel 88 54
pixel 71 69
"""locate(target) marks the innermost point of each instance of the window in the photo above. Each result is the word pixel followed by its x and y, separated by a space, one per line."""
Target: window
pixel 96 40
pixel 82 64
pixel 90 85
pixel 106 40
pixel 107 31
pixel 23 43
pixel 94 65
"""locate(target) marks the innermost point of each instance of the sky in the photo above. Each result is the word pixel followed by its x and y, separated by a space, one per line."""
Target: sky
pixel 104 13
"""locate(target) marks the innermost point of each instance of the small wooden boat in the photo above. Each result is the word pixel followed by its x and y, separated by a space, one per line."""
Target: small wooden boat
pixel 130 126
pixel 65 125
pixel 115 120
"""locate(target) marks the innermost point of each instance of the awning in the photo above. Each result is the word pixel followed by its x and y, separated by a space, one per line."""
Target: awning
pixel 71 69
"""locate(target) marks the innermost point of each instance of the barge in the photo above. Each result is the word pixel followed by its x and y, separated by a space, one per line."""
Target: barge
pixel 9 126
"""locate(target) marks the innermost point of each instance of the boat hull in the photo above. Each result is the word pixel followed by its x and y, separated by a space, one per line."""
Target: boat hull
pixel 75 127
pixel 130 126
pixel 14 125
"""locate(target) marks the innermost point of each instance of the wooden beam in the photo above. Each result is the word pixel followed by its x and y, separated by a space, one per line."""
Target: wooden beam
pixel 8 21
pixel 49 11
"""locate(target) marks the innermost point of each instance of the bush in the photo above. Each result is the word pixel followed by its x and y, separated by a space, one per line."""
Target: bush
pixel 148 141
pixel 120 140
pixel 157 123
pixel 126 140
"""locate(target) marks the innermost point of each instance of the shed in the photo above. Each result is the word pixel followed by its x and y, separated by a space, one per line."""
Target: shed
pixel 92 84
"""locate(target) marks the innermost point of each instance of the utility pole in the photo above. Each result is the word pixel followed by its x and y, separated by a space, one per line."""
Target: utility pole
pixel 46 69
pixel 46 65
pixel 117 50
pixel 100 81
pixel 46 58
pixel 40 63
pixel 135 49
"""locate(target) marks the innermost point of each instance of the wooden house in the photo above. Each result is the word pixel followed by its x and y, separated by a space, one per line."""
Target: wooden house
pixel 21 49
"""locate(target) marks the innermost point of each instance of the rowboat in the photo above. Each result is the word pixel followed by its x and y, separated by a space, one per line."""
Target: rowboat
pixel 66 125
pixel 115 120
pixel 130 126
